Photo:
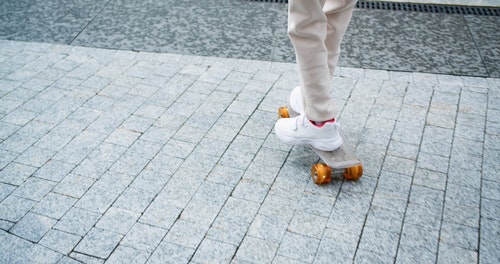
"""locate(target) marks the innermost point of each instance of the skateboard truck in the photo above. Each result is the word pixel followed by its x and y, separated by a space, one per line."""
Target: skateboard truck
pixel 341 158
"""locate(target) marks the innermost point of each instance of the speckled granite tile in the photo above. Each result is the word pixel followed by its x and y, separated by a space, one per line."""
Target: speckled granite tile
pixel 46 21
pixel 376 39
pixel 237 29
pixel 485 31
pixel 411 41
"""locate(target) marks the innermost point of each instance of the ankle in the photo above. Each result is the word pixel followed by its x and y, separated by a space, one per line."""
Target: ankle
pixel 320 124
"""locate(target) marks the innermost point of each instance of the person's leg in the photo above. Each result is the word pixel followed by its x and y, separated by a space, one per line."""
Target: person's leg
pixel 338 15
pixel 307 29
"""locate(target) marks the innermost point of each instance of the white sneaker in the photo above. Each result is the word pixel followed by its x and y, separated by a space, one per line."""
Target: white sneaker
pixel 300 131
pixel 296 100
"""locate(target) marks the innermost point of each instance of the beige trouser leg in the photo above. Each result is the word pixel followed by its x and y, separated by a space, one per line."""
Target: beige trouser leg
pixel 316 28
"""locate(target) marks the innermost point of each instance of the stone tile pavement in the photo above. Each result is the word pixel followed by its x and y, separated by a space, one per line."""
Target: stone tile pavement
pixel 439 43
pixel 111 156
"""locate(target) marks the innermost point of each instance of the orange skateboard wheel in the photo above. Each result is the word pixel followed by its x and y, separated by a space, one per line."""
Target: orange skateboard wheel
pixel 283 112
pixel 321 173
pixel 353 173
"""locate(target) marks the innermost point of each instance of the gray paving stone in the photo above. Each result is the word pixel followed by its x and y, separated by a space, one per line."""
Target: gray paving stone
pixel 67 260
pixel 350 211
pixel 462 196
pixel 421 239
pixel 130 164
pixel 60 241
pixel 250 190
pixel 316 203
pixel 123 137
pixel 180 189
pixel 113 181
pixel 98 243
pixel 268 227
pixel 227 230
pixel 433 162
pixel 214 251
pixel 19 117
pixel 459 235
pixel 97 200
pixel 452 254
pixel 166 164
pixel 200 213
pixel 15 248
pixel 463 215
pixel 385 219
pixel 171 253
pixel 456 176
pixel 7 129
pixel 54 170
pixel 77 221
pixel 180 149
pixel 5 190
pixel 399 165
pixel 239 210
pixel 403 150
pixel 298 247
pixel 200 163
pixel 423 216
pixel 85 258
pixel 18 143
pixel 81 146
pixel 380 241
pixel 261 173
pixel 186 234
pixel 54 140
pixel 135 199
pixel 14 208
pixel 235 158
pixel 132 255
pixel 222 132
pixel 34 188
pixel 54 205
pixel 490 209
pixel 255 250
pixel 337 244
pixel 43 255
pixel 308 224
pixel 366 186
pixel 36 105
pixel 107 152
pixel 33 227
pixel 430 198
pixel 117 220
pixel 148 182
pixel 489 240
pixel 143 237
pixel 387 184
pixel 430 179
pixel 364 256
pixel 410 255
pixel 160 215
pixel 225 175
pixel 74 185
pixel 407 133
pixel 92 168
pixel 421 137
pixel 16 173
pixel 35 157
pixel 104 124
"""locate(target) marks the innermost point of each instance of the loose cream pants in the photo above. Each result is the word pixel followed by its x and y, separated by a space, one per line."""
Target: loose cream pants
pixel 316 28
